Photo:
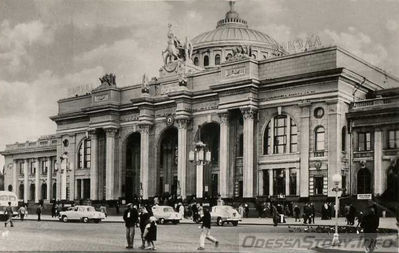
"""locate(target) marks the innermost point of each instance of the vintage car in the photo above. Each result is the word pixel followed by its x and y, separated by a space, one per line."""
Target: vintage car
pixel 81 213
pixel 222 214
pixel 166 214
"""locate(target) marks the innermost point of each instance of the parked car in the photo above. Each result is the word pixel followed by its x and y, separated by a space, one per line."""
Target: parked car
pixel 223 214
pixel 81 213
pixel 166 214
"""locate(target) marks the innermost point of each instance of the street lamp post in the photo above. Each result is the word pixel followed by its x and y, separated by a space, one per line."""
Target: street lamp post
pixel 200 156
pixel 337 178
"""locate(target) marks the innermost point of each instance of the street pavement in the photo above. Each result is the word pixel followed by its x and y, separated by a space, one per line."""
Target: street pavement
pixel 384 222
pixel 109 236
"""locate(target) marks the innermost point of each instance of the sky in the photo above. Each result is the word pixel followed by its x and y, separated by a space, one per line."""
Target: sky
pixel 49 47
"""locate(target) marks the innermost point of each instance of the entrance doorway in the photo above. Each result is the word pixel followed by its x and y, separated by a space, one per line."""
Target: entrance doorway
pixel 168 162
pixel 132 179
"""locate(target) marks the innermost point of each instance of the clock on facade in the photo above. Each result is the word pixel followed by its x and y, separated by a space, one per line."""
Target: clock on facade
pixel 319 112
pixel 170 120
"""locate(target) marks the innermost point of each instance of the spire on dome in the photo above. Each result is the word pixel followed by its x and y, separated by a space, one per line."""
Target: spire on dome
pixel 232 17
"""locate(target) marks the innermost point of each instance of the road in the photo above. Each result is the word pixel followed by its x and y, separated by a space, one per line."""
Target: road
pixel 110 237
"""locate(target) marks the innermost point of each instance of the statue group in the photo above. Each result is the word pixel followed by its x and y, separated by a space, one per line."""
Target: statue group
pixel 176 50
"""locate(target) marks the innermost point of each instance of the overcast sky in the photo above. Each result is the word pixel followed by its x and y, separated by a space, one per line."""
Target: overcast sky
pixel 47 47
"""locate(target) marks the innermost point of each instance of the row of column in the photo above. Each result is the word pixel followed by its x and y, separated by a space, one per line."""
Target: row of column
pixel 38 169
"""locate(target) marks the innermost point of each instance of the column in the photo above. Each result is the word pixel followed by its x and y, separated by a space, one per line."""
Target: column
pixel 15 178
pixel 248 158
pixel 271 182
pixel 26 181
pixel 223 154
pixel 63 179
pixel 144 158
pixel 93 167
pixel 200 180
pixel 287 181
pixel 378 171
pixel 49 178
pixel 304 138
pixel 110 163
pixel 37 180
pixel 182 155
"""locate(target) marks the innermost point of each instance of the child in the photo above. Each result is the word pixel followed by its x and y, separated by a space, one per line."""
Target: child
pixel 150 233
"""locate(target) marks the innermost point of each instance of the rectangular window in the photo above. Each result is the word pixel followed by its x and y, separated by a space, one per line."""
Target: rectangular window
pixel 279 182
pixel 32 168
pixel 293 181
pixel 393 139
pixel 267 141
pixel 21 168
pixel 87 153
pixel 318 185
pixel 266 182
pixel 364 140
pixel 280 134
pixel 293 137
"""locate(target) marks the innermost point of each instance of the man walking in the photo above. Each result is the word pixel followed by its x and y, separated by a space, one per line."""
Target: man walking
pixel 39 212
pixel 8 213
pixel 130 217
pixel 206 230
pixel 370 223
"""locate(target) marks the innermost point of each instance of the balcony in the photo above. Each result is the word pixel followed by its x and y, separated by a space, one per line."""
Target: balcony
pixel 392 101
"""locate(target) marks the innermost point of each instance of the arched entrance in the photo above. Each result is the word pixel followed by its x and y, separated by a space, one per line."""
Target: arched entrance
pixel 44 191
pixel 363 181
pixel 210 134
pixel 32 192
pixel 132 178
pixel 167 178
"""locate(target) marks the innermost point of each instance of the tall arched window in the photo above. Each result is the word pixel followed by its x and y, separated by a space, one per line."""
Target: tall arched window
pixel 343 141
pixel 196 62
pixel 319 138
pixel 206 60
pixel 280 136
pixel 84 158
pixel 217 59
pixel 363 181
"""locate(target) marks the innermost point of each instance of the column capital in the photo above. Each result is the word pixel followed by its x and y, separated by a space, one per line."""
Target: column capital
pixel 248 112
pixel 111 131
pixel 224 117
pixel 182 123
pixel 144 128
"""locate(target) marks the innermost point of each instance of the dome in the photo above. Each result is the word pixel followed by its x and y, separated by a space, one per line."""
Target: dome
pixel 233 30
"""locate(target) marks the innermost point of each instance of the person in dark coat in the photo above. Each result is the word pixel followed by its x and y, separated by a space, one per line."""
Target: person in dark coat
pixel 297 212
pixel 144 220
pixel 39 212
pixel 206 230
pixel 370 224
pixel 130 217
pixel 54 209
pixel 276 215
pixel 150 232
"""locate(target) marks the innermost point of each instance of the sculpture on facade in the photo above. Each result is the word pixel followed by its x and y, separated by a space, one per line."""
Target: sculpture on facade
pixel 241 52
pixel 144 84
pixel 108 80
pixel 176 50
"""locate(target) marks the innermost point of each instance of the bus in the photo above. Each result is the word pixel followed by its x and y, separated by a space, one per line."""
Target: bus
pixel 5 197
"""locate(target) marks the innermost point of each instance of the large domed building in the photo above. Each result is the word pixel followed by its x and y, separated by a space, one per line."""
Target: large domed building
pixel 231 113
pixel 214 47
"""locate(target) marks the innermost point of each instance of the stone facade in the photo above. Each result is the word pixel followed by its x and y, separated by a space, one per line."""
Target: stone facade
pixel 273 127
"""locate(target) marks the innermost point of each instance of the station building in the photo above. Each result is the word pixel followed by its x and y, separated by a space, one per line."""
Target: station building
pixel 273 125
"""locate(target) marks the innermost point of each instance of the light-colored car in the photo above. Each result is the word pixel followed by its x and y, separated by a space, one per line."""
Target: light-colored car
pixel 166 214
pixel 81 213
pixel 223 214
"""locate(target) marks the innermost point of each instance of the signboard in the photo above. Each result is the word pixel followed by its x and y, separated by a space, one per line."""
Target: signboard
pixel 364 196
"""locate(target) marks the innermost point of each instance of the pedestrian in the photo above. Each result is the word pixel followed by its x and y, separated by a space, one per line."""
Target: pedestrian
pixel 54 209
pixel 370 223
pixel 241 210
pixel 130 217
pixel 306 214
pixel 325 211
pixel 275 214
pixel 8 212
pixel 181 210
pixel 21 212
pixel 297 213
pixel 246 209
pixel 206 230
pixel 352 214
pixel 59 208
pixel 150 233
pixel 103 209
pixel 144 219
pixel 220 201
pixel 313 212
pixel 117 207
pixel 39 212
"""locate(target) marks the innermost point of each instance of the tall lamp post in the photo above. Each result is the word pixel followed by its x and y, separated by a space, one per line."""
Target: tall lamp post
pixel 200 156
pixel 337 178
